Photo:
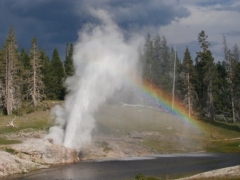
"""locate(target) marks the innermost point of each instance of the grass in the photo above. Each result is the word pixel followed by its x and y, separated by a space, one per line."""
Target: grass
pixel 37 120
pixel 6 142
pixel 31 118
pixel 232 146
pixel 140 176
pixel 175 134
pixel 105 146
pixel 10 150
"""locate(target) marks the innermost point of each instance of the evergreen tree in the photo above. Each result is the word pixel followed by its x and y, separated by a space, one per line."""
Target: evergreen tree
pixel 222 97
pixel 206 76
pixel 166 66
pixel 189 92
pixel 158 62
pixel 35 80
pixel 25 61
pixel 236 89
pixel 56 89
pixel 231 60
pixel 68 63
pixel 11 78
pixel 179 83
pixel 46 72
pixel 148 60
pixel 2 89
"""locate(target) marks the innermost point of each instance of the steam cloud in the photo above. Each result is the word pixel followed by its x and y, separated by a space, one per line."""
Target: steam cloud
pixel 103 58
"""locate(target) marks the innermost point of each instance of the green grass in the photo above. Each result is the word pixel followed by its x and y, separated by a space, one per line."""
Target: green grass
pixel 224 146
pixel 140 176
pixel 10 150
pixel 39 120
pixel 6 142
pixel 175 135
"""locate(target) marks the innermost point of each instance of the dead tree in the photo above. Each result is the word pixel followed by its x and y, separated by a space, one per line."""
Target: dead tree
pixel 35 80
pixel 11 76
pixel 11 123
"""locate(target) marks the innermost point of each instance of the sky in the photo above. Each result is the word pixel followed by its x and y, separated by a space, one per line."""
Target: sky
pixel 56 22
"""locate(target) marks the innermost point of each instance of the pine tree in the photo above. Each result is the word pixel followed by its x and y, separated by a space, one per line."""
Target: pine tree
pixel 188 79
pixel 231 61
pixel 166 66
pixel 24 59
pixel 222 97
pixel 12 66
pixel 35 80
pixel 2 89
pixel 46 72
pixel 68 63
pixel 206 76
pixel 148 60
pixel 236 89
pixel 26 66
pixel 56 89
pixel 179 83
pixel 236 54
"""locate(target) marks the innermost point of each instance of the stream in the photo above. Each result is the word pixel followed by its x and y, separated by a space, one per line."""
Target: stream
pixel 166 166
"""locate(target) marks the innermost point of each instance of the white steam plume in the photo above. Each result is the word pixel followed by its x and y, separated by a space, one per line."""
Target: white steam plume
pixel 102 59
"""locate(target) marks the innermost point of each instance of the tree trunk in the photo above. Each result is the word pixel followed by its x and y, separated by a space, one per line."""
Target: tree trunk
pixel 9 78
pixel 34 78
pixel 174 79
pixel 211 108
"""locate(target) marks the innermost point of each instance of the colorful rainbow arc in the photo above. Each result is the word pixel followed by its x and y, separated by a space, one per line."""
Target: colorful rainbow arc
pixel 164 101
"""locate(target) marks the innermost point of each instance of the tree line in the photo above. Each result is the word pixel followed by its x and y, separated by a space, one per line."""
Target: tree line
pixel 207 89
pixel 31 76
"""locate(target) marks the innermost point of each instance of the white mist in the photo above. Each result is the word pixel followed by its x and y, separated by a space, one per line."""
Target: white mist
pixel 103 59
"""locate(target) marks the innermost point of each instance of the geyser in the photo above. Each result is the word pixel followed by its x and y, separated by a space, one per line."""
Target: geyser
pixel 103 57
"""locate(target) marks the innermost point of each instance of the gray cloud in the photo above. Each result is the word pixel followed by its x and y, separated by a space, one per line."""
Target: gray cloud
pixel 55 22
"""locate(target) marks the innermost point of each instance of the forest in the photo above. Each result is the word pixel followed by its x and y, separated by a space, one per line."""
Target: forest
pixel 208 90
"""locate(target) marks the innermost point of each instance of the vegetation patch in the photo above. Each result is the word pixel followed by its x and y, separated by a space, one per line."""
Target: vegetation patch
pixel 224 146
pixel 105 146
pixel 9 150
pixel 6 141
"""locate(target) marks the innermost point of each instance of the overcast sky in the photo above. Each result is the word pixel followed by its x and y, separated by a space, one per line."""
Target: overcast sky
pixel 56 22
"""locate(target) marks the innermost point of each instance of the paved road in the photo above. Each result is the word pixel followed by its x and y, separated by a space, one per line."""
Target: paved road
pixel 164 166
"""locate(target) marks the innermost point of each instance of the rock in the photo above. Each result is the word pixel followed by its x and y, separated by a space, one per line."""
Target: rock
pixel 10 164
pixel 44 152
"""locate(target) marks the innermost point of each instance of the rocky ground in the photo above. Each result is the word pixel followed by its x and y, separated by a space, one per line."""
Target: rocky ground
pixel 224 173
pixel 33 153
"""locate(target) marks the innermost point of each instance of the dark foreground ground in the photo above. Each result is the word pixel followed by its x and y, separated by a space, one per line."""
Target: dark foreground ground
pixel 167 166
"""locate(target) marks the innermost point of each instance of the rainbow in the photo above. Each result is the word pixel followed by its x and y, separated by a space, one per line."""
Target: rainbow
pixel 164 101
